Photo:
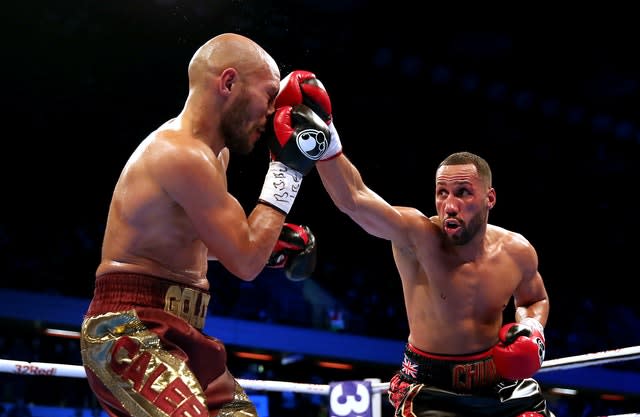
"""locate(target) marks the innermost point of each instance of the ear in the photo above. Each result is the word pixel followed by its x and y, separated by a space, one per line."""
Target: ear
pixel 228 77
pixel 491 198
pixel 223 157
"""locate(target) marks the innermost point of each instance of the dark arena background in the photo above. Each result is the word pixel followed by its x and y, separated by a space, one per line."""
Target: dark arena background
pixel 553 109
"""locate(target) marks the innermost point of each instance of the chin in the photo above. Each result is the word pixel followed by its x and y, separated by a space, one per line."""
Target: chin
pixel 459 239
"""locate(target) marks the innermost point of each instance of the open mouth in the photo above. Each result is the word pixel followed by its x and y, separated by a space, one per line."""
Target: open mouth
pixel 451 225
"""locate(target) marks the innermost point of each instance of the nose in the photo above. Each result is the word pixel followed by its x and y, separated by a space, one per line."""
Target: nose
pixel 451 206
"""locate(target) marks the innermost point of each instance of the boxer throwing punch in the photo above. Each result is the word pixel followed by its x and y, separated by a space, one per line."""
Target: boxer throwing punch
pixel 142 342
pixel 458 273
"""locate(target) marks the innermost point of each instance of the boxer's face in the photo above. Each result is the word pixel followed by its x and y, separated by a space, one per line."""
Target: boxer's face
pixel 244 121
pixel 236 126
pixel 462 202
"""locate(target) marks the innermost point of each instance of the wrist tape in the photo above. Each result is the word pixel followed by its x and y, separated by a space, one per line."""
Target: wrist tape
pixel 281 186
pixel 335 146
pixel 534 324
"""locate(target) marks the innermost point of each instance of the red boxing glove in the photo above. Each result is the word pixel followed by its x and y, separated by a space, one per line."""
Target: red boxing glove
pixel 520 352
pixel 302 87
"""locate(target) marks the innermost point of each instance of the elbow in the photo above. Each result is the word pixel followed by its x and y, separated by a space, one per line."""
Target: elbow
pixel 246 271
pixel 244 264
pixel 247 277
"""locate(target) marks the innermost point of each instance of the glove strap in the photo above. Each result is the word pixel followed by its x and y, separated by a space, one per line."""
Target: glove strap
pixel 281 186
pixel 335 146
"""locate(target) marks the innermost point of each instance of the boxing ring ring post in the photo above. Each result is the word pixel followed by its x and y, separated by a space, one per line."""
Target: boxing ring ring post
pixel 360 397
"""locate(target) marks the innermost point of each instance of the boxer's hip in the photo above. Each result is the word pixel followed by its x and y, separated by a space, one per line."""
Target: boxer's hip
pixel 458 373
pixel 121 292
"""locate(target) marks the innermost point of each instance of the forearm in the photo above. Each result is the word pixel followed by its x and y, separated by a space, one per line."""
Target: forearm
pixel 342 181
pixel 348 192
pixel 265 225
pixel 538 311
pixel 245 249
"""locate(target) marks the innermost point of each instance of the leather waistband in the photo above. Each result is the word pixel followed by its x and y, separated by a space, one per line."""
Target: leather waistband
pixel 461 373
pixel 115 292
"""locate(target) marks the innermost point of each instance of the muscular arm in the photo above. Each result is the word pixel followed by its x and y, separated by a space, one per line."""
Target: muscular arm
pixel 531 300
pixel 345 186
pixel 196 180
pixel 530 296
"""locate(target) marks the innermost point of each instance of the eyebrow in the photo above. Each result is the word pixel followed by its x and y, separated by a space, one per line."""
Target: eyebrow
pixel 464 182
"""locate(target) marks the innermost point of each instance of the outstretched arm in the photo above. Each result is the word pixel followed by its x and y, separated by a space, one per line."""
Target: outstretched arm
pixel 347 190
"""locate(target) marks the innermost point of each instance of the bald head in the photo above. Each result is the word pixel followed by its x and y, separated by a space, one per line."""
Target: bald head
pixel 230 50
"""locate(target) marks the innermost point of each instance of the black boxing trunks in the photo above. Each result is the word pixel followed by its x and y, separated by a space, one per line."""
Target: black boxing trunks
pixel 429 385
pixel 145 354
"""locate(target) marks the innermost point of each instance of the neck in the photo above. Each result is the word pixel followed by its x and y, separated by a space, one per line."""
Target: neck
pixel 198 118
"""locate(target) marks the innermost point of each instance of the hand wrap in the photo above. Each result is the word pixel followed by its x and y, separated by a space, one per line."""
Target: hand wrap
pixel 281 186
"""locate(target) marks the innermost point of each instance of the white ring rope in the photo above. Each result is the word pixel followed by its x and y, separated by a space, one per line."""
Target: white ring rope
pixel 590 359
pixel 77 371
